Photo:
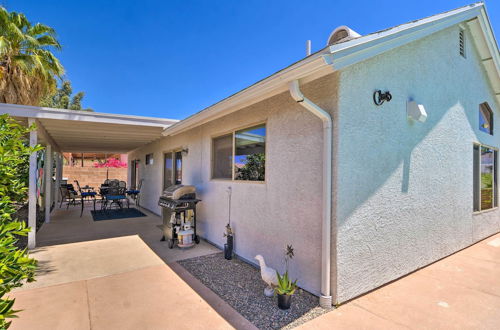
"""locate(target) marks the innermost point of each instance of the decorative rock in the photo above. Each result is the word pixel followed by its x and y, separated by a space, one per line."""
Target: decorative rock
pixel 239 284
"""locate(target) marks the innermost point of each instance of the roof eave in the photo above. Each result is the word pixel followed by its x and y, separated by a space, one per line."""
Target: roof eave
pixel 308 69
pixel 342 55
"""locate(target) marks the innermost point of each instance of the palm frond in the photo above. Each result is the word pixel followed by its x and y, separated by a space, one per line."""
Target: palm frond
pixel 39 29
pixel 48 40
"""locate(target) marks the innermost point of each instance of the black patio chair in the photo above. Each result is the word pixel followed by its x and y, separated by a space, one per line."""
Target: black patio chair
pixel 114 195
pixel 136 193
pixel 68 195
pixel 85 195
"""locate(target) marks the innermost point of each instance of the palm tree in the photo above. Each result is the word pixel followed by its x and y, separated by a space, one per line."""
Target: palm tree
pixel 28 68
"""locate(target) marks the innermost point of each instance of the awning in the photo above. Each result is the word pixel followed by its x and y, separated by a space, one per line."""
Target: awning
pixel 61 130
pixel 86 131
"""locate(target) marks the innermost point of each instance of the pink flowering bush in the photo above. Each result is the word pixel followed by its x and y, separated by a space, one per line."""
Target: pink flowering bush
pixel 111 162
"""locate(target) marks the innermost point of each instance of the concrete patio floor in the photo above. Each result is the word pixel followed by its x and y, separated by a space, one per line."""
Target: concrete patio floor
pixel 115 274
pixel 115 283
pixel 461 291
pixel 118 274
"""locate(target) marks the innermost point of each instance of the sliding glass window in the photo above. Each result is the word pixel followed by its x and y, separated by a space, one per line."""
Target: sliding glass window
pixel 485 178
pixel 240 155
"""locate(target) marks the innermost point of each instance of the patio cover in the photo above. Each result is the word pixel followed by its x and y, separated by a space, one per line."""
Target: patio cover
pixel 86 131
pixel 61 130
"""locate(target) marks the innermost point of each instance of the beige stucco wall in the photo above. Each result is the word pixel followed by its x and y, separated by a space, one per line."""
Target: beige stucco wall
pixel 285 209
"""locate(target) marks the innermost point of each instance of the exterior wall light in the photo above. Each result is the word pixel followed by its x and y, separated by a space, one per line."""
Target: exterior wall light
pixel 185 151
pixel 416 111
pixel 379 98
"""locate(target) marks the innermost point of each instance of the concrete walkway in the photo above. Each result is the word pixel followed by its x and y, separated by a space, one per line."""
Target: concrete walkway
pixel 116 283
pixel 458 292
pixel 118 275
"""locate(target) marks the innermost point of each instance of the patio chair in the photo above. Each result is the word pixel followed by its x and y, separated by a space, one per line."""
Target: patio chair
pixel 135 193
pixel 85 195
pixel 114 195
pixel 68 195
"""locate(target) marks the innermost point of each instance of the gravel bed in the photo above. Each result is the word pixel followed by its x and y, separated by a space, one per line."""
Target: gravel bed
pixel 240 285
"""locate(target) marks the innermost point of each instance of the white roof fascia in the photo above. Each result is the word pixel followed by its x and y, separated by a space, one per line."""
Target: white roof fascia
pixel 26 111
pixel 360 49
pixel 338 56
pixel 491 64
pixel 308 69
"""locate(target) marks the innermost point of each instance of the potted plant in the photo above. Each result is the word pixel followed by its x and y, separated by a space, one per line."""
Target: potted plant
pixel 228 247
pixel 286 287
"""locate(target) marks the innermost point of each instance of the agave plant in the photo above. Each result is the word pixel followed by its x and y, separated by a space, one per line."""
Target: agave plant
pixel 28 68
pixel 285 285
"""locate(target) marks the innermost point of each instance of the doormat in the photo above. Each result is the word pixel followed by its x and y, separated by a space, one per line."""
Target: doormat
pixel 116 214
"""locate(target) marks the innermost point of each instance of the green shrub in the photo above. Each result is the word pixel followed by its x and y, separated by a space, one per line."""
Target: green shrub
pixel 15 264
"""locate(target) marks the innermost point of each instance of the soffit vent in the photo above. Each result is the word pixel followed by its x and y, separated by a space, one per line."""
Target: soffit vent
pixel 342 34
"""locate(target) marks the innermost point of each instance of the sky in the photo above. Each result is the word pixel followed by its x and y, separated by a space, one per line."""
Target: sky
pixel 171 59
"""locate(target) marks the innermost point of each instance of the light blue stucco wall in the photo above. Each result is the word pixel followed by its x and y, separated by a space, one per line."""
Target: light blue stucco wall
pixel 404 189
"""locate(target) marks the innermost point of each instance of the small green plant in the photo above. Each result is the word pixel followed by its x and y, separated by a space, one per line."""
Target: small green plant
pixel 15 264
pixel 285 285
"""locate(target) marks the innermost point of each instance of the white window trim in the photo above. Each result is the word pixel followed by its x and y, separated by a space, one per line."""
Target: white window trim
pixel 495 164
pixel 172 178
pixel 233 134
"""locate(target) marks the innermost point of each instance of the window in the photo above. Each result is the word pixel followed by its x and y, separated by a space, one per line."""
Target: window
pixel 178 168
pixel 172 169
pixel 485 178
pixel 168 170
pixel 134 179
pixel 485 118
pixel 461 42
pixel 222 157
pixel 250 154
pixel 240 155
pixel 149 159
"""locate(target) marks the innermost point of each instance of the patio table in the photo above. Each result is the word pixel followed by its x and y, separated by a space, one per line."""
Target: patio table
pixel 82 200
pixel 88 188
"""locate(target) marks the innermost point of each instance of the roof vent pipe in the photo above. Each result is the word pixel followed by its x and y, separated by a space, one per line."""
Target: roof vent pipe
pixel 308 47
pixel 325 299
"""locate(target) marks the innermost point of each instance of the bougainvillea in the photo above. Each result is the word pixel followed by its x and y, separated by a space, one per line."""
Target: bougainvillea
pixel 111 162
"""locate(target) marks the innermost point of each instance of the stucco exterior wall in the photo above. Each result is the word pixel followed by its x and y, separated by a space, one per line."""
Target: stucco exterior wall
pixel 285 209
pixel 405 192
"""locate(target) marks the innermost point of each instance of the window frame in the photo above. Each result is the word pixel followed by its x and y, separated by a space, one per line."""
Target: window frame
pixel 494 178
pixel 172 152
pixel 488 109
pixel 233 133
pixel 149 159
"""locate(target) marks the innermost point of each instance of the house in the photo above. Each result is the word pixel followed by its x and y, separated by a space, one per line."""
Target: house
pixel 373 157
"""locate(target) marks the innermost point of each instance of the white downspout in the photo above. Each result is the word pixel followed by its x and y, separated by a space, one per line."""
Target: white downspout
pixel 325 299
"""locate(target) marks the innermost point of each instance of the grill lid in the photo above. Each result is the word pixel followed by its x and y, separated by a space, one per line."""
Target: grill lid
pixel 180 191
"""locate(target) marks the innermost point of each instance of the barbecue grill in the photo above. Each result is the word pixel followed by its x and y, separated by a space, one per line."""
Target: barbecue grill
pixel 178 204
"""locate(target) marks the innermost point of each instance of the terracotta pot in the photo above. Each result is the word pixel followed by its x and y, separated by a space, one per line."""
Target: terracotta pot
pixel 284 301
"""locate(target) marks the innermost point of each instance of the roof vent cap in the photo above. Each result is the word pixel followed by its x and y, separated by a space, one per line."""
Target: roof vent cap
pixel 342 34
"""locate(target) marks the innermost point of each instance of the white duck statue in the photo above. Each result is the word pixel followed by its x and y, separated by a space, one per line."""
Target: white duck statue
pixel 268 275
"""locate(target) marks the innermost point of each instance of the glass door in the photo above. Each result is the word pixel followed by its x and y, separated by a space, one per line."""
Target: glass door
pixel 168 170
pixel 134 180
pixel 172 169
pixel 178 167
